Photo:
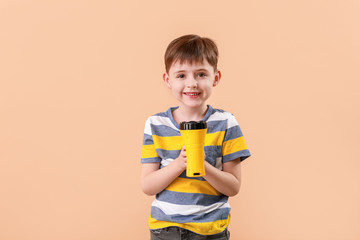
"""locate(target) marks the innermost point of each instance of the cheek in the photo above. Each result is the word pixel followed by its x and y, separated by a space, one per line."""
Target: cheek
pixel 206 87
pixel 176 90
pixel 177 86
pixel 209 91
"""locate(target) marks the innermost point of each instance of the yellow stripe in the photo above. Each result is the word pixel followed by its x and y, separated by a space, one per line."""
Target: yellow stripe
pixel 176 142
pixel 192 186
pixel 234 145
pixel 148 151
pixel 168 143
pixel 214 139
pixel 204 228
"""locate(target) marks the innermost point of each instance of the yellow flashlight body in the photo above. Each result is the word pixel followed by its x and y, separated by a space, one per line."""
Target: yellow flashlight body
pixel 194 140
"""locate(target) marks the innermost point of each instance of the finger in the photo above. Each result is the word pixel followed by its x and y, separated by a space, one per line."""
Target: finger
pixel 183 154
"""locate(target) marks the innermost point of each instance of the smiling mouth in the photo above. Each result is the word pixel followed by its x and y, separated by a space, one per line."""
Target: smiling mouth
pixel 192 94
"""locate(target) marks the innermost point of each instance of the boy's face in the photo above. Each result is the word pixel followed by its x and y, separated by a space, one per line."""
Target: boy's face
pixel 191 84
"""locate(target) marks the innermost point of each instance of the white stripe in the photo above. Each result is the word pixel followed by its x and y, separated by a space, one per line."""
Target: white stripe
pixel 166 162
pixel 147 127
pixel 220 116
pixel 171 209
pixel 232 122
pixel 159 120
pixel 218 163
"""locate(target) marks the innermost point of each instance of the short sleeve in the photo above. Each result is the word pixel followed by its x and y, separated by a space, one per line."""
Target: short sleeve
pixel 234 145
pixel 148 152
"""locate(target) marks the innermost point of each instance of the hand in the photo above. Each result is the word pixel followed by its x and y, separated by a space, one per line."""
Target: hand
pixel 181 159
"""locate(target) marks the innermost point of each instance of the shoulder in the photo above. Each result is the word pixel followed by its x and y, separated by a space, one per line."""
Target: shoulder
pixel 160 122
pixel 159 118
pixel 220 115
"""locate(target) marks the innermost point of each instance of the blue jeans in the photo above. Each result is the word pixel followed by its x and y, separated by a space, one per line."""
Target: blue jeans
pixel 176 233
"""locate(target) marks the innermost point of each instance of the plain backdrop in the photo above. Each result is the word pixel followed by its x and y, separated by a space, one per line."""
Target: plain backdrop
pixel 79 78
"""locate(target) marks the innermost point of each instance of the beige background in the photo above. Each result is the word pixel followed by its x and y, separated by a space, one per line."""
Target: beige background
pixel 79 78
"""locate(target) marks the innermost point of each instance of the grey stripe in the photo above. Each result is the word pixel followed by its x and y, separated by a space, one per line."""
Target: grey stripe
pixel 190 198
pixel 240 154
pixel 148 140
pixel 232 133
pixel 164 131
pixel 151 160
pixel 165 154
pixel 216 126
pixel 162 114
pixel 213 152
pixel 218 110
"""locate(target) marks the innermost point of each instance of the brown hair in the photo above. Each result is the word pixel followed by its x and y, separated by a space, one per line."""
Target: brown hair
pixel 192 48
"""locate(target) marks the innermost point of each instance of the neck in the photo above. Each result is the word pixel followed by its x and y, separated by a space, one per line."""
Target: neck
pixel 184 113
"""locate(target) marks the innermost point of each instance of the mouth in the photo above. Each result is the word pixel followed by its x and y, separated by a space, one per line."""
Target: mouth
pixel 192 94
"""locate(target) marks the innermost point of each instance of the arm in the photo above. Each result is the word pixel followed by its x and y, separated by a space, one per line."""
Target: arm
pixel 154 180
pixel 228 180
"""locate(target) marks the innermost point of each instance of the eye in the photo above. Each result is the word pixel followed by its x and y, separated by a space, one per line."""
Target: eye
pixel 180 76
pixel 201 74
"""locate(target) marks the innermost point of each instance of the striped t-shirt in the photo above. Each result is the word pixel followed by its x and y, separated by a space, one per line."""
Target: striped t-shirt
pixel 188 202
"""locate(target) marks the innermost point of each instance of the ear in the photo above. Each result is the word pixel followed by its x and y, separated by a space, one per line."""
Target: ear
pixel 166 80
pixel 217 78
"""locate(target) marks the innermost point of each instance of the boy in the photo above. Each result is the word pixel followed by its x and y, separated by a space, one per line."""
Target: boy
pixel 191 208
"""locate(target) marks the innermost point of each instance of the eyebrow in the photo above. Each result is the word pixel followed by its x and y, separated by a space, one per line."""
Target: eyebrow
pixel 180 71
pixel 202 69
pixel 196 70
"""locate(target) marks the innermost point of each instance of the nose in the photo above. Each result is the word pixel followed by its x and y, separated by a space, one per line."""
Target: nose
pixel 191 82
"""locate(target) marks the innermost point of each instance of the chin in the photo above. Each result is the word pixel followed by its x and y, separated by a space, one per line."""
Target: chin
pixel 194 105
